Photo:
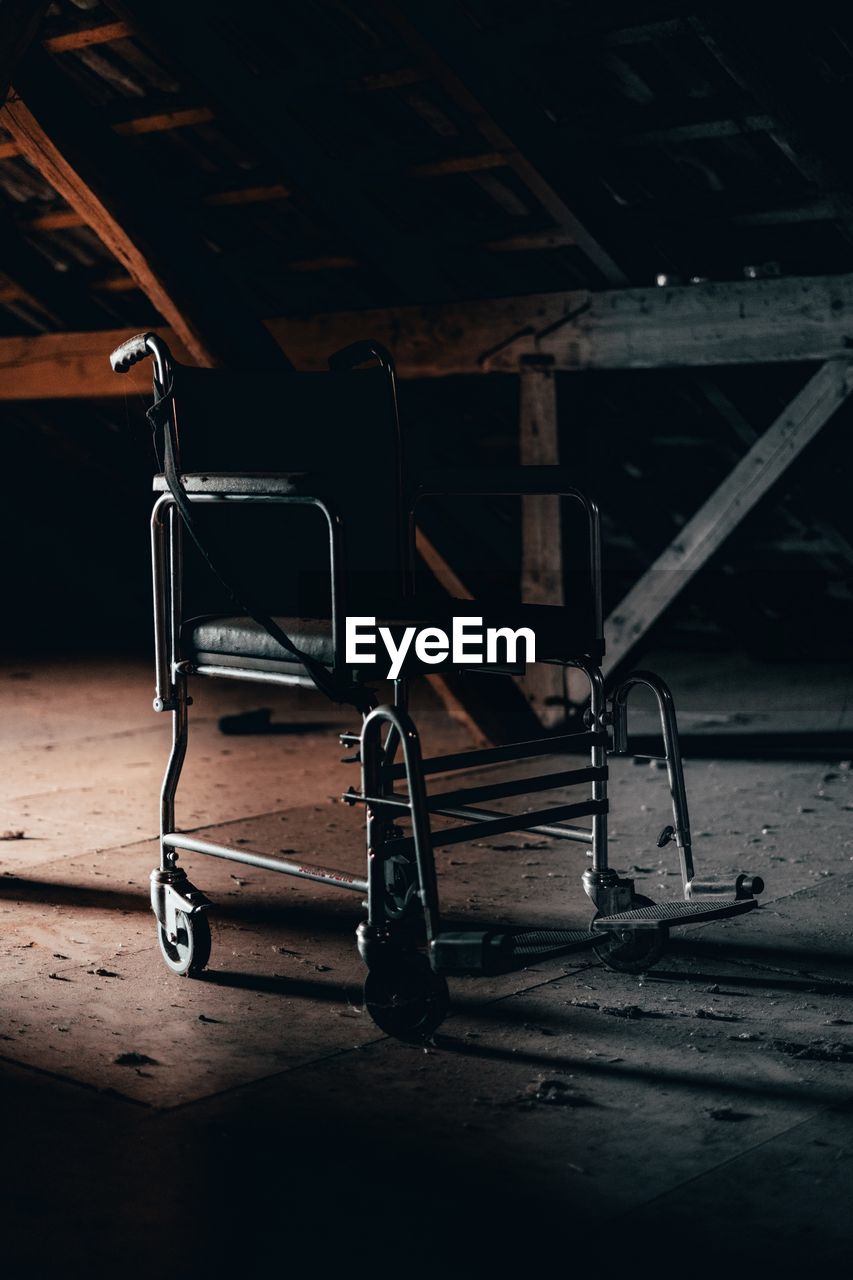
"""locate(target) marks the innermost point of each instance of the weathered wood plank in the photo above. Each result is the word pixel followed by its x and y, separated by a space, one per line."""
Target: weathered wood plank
pixel 708 529
pixel 67 143
pixel 153 122
pixel 84 37
pixel 753 321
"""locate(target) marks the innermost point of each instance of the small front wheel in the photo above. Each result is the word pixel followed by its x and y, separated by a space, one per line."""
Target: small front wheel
pixel 631 950
pixel 405 998
pixel 190 951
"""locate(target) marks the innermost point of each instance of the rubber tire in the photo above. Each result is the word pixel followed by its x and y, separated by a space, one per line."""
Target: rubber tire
pixel 405 998
pixel 632 957
pixel 192 951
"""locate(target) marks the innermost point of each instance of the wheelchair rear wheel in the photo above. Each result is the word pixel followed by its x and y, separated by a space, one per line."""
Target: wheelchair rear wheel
pixel 633 950
pixel 405 998
pixel 190 951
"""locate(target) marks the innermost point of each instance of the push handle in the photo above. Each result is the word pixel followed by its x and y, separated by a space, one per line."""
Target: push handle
pixel 361 353
pixel 130 353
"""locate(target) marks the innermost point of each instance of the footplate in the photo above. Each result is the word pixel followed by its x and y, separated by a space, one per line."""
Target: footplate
pixel 662 914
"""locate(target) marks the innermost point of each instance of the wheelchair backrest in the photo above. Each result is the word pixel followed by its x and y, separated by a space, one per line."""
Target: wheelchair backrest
pixel 340 429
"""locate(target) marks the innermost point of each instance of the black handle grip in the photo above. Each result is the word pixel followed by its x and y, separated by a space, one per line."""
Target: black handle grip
pixel 361 353
pixel 130 353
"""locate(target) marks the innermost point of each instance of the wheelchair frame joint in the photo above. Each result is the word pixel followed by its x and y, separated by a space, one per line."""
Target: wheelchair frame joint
pixel 610 892
pixel 171 892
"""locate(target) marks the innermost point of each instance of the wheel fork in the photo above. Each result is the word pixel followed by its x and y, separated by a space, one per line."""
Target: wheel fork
pixel 171 892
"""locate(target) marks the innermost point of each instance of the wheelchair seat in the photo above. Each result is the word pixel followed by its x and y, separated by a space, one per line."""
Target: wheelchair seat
pixel 240 642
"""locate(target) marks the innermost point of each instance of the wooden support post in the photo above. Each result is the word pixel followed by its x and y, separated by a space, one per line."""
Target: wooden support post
pixel 750 480
pixel 541 532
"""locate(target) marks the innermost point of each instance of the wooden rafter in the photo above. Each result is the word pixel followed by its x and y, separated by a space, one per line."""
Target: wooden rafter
pixel 65 141
pixel 151 122
pixel 708 529
pixel 59 219
pixel 85 37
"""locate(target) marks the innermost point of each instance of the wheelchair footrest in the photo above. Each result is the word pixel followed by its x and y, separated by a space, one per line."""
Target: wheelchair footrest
pixel 498 952
pixel 662 914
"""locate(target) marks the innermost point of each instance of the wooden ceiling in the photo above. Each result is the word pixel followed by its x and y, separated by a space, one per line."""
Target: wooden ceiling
pixel 488 181
pixel 333 155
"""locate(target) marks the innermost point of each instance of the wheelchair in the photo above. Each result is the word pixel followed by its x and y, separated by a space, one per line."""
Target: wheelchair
pixel 218 435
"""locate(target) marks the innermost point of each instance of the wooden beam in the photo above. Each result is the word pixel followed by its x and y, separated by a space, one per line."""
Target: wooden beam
pixel 162 121
pixel 59 219
pixel 748 322
pixel 701 131
pixel 445 576
pixel 708 529
pixel 121 283
pixel 530 241
pixel 460 164
pixel 491 708
pixel 541 531
pixel 799 516
pixel 19 24
pixel 67 143
pixel 379 81
pixel 84 37
pixel 153 122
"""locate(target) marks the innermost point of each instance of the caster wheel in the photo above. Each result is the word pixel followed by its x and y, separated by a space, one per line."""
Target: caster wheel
pixel 636 953
pixel 191 951
pixel 405 998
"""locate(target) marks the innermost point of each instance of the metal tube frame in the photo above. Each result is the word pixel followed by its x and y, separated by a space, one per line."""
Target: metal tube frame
pixel 374 753
pixel 672 753
pixel 171 670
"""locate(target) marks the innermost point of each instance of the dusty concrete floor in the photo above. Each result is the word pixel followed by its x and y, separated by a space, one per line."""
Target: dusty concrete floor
pixel 698 1114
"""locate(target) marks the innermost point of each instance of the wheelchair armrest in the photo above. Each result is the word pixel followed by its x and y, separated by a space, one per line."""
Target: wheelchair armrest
pixel 350 357
pixel 521 481
pixel 256 484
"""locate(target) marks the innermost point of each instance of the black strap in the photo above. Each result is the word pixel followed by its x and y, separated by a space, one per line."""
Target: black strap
pixel 354 694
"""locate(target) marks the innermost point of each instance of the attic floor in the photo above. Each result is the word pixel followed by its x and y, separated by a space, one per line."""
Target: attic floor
pixel 699 1115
